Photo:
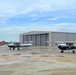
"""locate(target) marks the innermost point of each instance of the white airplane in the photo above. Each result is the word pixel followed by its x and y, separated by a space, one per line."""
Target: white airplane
pixel 66 45
pixel 18 45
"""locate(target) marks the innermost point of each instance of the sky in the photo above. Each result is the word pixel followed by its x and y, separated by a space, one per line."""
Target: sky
pixel 21 16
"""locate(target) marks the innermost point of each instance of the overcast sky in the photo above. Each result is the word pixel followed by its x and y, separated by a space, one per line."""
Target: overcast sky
pixel 19 16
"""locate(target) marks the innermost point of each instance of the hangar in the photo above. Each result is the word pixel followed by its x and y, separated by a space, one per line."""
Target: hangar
pixel 39 38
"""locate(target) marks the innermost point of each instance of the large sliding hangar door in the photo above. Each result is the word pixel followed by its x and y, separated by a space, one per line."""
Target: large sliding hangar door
pixel 38 39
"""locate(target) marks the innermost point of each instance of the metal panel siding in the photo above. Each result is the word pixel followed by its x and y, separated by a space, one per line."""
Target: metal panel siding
pixel 71 36
pixel 43 40
pixel 47 39
pixel 21 38
pixel 58 37
pixel 36 32
pixel 38 40
pixel 33 39
pixel 29 38
pixel 26 38
pixel 50 39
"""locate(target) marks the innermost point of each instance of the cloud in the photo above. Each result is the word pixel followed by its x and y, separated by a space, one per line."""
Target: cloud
pixel 19 16
pixel 55 18
pixel 67 27
pixel 15 8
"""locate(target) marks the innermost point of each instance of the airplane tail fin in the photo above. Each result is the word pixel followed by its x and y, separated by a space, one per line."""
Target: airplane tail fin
pixel 31 42
pixel 2 42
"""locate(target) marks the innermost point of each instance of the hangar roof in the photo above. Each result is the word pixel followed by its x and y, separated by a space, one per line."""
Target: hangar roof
pixel 42 32
pixel 36 32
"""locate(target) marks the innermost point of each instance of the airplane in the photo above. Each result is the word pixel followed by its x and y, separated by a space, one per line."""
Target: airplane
pixel 1 43
pixel 18 45
pixel 67 46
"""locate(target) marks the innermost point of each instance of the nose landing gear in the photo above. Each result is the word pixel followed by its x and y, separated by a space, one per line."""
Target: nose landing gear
pixel 62 51
pixel 73 51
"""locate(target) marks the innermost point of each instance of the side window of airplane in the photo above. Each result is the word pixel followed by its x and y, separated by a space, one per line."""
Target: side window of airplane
pixel 67 43
pixel 71 43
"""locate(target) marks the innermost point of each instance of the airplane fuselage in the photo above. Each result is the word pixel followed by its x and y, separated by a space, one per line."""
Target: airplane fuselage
pixel 66 47
pixel 63 47
pixel 18 46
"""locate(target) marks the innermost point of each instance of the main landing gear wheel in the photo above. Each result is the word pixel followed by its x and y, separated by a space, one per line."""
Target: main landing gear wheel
pixel 62 51
pixel 10 48
pixel 13 48
pixel 18 48
pixel 73 51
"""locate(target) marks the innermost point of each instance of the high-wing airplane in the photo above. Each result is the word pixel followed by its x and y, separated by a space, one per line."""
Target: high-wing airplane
pixel 67 46
pixel 1 43
pixel 18 45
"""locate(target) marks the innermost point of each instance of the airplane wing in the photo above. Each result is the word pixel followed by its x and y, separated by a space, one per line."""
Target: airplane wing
pixel 25 45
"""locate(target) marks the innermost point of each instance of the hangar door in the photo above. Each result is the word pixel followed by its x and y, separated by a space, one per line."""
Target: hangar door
pixel 40 39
